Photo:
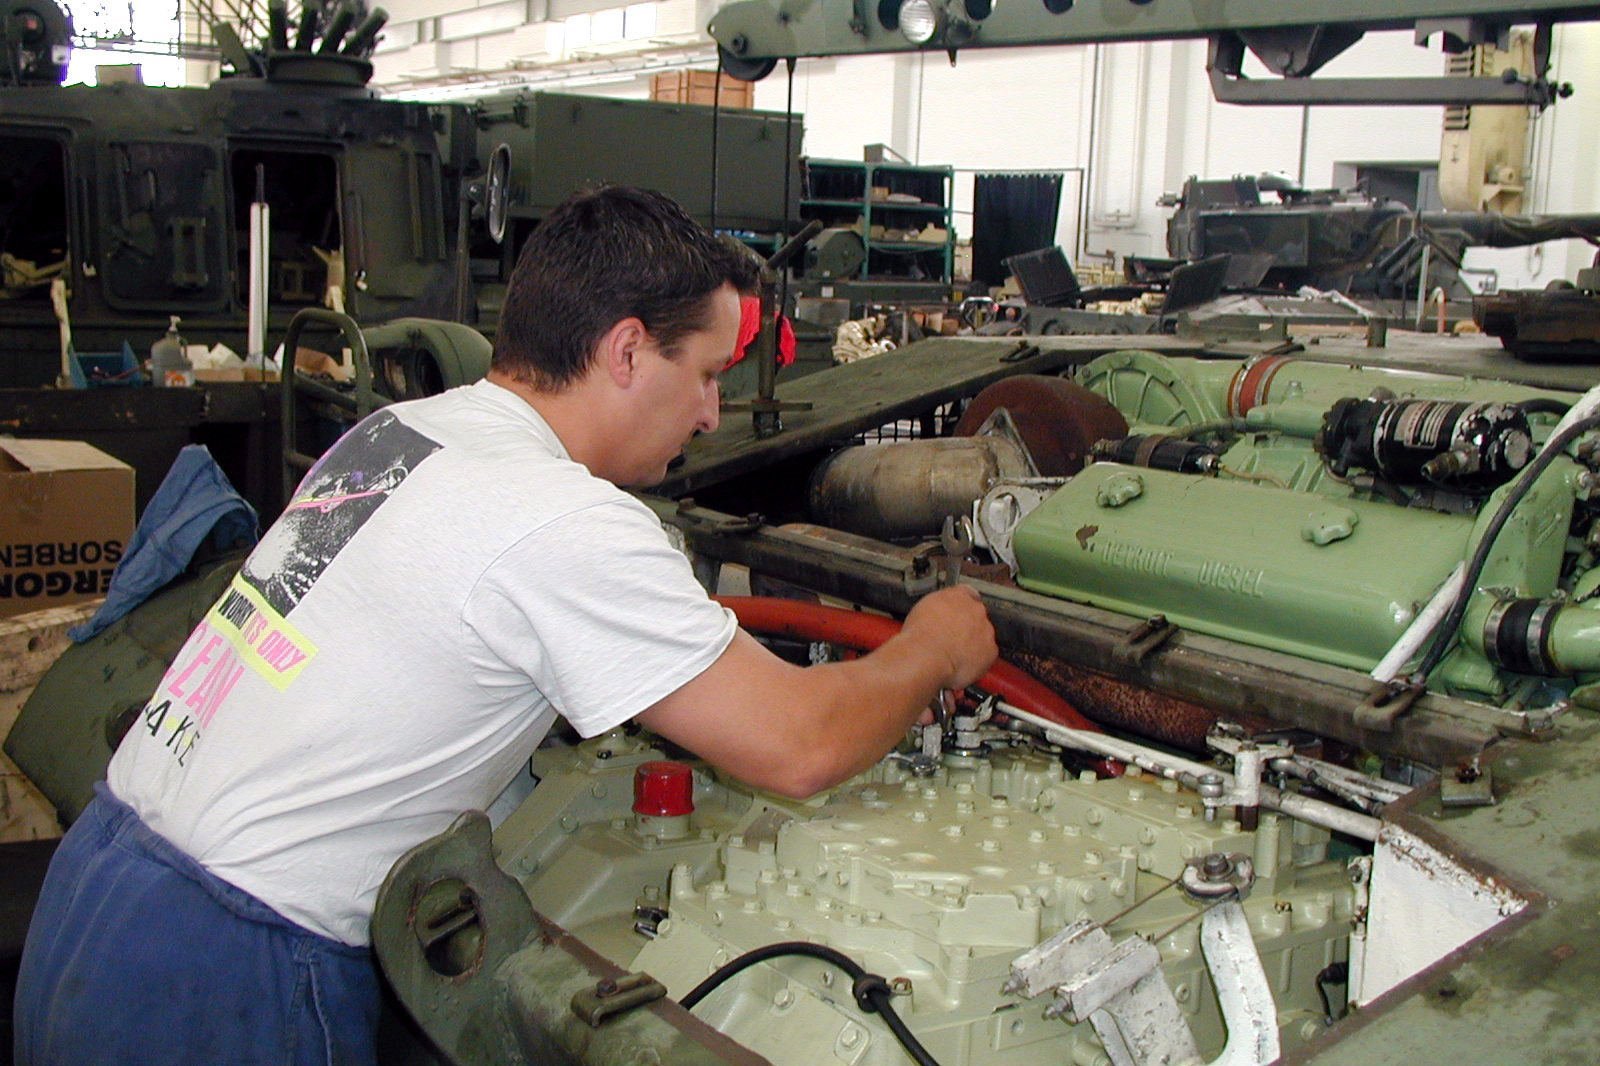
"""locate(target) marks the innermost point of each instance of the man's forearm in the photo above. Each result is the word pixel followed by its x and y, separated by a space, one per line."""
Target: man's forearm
pixel 865 706
pixel 796 730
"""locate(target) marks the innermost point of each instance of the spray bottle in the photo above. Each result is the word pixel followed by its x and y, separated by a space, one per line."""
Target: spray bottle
pixel 169 361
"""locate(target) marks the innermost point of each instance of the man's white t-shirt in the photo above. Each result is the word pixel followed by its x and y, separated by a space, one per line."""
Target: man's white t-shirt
pixel 445 582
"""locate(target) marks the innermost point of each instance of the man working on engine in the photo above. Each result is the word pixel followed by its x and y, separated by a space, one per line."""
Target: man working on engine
pixel 452 575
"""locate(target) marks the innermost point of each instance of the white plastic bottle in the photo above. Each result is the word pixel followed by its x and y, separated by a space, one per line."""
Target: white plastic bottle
pixel 169 360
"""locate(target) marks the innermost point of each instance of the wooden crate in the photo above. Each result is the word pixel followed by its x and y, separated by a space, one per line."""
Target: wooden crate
pixel 29 646
pixel 699 87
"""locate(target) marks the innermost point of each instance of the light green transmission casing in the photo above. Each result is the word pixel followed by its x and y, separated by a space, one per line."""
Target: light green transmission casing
pixel 939 881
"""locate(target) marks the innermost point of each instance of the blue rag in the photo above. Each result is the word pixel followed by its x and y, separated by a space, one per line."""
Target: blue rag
pixel 195 501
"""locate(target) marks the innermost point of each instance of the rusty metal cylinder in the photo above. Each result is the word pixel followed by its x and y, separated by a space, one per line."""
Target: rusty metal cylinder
pixel 1130 707
pixel 907 489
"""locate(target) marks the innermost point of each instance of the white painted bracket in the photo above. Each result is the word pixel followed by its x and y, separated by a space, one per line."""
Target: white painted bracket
pixel 1119 989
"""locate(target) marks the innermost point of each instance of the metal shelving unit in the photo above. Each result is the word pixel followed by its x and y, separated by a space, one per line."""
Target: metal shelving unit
pixel 839 192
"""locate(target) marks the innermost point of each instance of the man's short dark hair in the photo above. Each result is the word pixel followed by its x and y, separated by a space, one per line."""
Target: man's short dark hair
pixel 604 255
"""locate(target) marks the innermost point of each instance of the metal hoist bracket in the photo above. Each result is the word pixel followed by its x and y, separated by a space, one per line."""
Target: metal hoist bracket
pixel 713 522
pixel 1145 639
pixel 1385 704
pixel 616 995
pixel 1118 986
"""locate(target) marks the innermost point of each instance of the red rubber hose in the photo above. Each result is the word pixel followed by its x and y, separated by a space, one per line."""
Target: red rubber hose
pixel 864 632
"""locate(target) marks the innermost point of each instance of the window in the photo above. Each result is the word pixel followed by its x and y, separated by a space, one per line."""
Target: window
pixel 639 21
pixel 34 247
pixel 301 189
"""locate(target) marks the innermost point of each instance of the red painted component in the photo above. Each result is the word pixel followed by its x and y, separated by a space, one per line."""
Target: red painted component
pixel 1251 384
pixel 852 629
pixel 663 789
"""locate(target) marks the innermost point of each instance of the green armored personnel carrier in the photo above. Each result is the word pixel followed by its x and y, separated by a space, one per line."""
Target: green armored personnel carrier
pixel 137 198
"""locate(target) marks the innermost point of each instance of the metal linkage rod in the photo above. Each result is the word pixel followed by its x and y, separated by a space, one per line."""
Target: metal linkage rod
pixel 1360 789
pixel 1189 772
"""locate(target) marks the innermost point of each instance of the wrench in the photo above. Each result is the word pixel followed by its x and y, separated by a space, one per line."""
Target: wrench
pixel 956 539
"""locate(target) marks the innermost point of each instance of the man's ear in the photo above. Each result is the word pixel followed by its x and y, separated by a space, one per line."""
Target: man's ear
pixel 620 349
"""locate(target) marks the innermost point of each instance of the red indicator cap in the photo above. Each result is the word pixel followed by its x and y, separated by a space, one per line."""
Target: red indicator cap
pixel 663 789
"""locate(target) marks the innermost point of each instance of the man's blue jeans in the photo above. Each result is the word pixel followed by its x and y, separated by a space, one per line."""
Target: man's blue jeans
pixel 137 954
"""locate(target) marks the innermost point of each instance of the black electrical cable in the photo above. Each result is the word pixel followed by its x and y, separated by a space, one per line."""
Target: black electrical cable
pixel 716 128
pixel 788 149
pixel 1543 405
pixel 1446 632
pixel 1337 974
pixel 871 992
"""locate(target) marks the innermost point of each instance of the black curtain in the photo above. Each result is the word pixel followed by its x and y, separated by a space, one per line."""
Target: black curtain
pixel 1011 213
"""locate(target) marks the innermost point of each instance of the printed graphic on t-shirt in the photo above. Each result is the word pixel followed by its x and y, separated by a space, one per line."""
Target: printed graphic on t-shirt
pixel 248 627
pixel 346 487
pixel 241 630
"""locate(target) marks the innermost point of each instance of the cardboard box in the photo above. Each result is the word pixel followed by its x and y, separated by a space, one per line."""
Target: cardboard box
pixel 66 513
pixel 236 374
pixel 822 311
pixel 119 74
pixel 700 87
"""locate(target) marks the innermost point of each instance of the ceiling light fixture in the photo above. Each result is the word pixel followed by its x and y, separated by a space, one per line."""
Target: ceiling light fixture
pixel 921 20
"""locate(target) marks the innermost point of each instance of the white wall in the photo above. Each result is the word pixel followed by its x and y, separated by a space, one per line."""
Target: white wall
pixel 147 26
pixel 855 100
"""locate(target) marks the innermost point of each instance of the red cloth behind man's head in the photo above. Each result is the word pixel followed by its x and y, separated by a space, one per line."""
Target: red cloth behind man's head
pixel 750 325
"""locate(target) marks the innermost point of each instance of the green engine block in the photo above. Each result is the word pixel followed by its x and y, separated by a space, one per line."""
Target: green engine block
pixel 1271 546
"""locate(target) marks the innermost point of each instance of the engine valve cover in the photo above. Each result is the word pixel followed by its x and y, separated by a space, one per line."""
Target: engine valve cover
pixel 1332 580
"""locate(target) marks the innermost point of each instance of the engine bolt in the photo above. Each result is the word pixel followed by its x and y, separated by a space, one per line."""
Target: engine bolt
pixel 1211 789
